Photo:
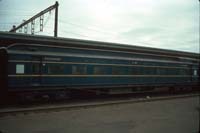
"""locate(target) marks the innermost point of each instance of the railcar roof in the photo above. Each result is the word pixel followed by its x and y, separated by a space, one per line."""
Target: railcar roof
pixel 7 38
pixel 100 57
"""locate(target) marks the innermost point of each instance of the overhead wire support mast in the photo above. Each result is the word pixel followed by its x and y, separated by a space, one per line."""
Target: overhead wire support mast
pixel 40 14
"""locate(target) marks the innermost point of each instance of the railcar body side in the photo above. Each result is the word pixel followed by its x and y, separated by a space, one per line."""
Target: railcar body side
pixel 33 67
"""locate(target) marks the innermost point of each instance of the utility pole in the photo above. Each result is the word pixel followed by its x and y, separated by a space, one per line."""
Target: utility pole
pixel 199 50
pixel 56 20
pixel 41 16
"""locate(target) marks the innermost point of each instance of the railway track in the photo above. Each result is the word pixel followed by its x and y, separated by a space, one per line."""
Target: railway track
pixel 82 105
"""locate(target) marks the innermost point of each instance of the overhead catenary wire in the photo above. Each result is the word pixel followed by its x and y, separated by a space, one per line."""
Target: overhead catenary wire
pixel 92 28
pixel 75 33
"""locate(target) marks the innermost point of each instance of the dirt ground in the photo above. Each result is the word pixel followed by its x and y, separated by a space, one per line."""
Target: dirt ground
pixel 169 116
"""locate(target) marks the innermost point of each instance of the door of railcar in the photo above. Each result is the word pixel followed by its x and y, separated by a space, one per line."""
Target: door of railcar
pixel 3 73
pixel 194 74
pixel 36 70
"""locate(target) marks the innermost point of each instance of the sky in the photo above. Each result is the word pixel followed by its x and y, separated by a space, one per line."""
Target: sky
pixel 166 24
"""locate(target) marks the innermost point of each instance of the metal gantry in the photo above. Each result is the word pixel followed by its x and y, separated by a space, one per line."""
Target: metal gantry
pixel 40 15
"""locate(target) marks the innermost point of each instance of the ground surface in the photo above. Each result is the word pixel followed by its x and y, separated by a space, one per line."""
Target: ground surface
pixel 168 116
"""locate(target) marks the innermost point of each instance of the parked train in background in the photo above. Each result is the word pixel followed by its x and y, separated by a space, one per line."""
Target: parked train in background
pixel 33 66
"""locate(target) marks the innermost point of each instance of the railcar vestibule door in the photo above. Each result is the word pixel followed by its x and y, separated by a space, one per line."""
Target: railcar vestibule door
pixel 3 73
pixel 36 70
pixel 194 74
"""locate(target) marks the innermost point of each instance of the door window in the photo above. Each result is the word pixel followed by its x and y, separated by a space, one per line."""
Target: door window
pixel 19 68
pixel 195 72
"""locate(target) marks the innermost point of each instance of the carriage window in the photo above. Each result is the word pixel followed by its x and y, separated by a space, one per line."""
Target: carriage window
pixel 20 69
pixel 55 69
pixel 98 70
pixel 79 70
pixel 118 71
pixel 161 71
pixel 183 72
pixel 135 71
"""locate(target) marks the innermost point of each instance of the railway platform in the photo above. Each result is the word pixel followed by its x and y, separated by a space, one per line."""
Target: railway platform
pixel 157 116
